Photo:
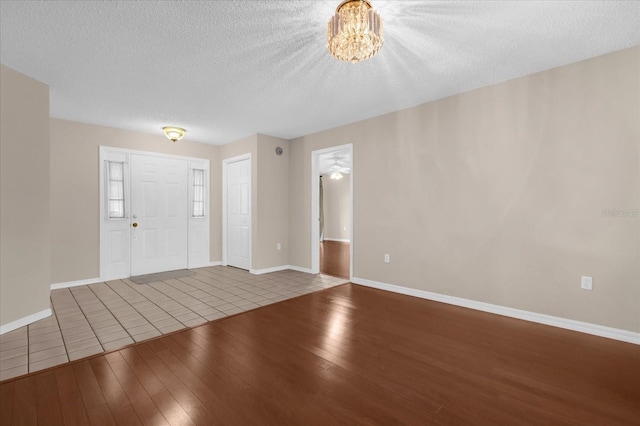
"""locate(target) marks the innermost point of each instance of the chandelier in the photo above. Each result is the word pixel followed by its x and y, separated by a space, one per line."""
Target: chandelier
pixel 355 32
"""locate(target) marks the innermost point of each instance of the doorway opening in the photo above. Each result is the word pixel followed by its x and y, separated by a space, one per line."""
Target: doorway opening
pixel 332 211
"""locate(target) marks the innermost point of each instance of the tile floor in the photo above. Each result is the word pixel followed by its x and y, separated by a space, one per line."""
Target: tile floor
pixel 91 319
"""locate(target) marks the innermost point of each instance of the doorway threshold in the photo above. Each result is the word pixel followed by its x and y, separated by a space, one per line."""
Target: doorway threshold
pixel 161 276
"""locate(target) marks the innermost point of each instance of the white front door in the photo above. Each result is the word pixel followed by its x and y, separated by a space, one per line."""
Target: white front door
pixel 239 214
pixel 158 214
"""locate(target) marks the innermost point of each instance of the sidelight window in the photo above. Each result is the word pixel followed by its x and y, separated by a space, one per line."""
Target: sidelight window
pixel 115 190
pixel 198 193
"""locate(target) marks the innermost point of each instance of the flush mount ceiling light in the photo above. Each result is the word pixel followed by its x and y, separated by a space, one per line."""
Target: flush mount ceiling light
pixel 355 32
pixel 174 133
pixel 336 175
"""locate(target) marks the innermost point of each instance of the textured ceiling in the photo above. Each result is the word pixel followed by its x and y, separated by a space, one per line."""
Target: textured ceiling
pixel 228 69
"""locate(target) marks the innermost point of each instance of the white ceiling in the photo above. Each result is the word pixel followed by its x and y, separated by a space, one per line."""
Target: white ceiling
pixel 228 69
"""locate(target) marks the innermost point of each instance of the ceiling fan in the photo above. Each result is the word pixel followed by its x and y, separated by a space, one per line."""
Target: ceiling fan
pixel 338 168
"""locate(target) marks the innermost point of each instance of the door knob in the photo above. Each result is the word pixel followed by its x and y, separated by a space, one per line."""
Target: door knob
pixel 135 224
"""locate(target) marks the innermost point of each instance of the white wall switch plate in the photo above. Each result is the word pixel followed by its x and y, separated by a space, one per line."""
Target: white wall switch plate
pixel 586 283
pixel 386 258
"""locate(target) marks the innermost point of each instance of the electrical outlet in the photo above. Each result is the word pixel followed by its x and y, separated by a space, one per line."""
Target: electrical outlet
pixel 586 283
pixel 386 258
pixel 278 246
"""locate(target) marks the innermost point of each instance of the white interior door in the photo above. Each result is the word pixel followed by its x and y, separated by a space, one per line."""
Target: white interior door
pixel 239 214
pixel 158 214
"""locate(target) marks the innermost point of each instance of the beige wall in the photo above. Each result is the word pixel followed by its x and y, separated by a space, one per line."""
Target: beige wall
pixel 273 203
pixel 497 195
pixel 75 200
pixel 337 207
pixel 299 207
pixel 25 265
pixel 269 197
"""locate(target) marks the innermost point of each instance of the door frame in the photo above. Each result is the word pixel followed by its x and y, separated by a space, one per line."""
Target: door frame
pixel 107 153
pixel 315 206
pixel 225 164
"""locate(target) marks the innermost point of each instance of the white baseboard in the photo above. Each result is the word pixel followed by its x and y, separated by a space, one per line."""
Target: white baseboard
pixel 5 328
pixel 340 240
pixel 280 268
pixel 216 263
pixel 300 269
pixel 75 283
pixel 269 270
pixel 584 327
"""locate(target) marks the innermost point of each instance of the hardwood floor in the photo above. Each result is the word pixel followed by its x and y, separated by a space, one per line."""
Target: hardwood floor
pixel 346 355
pixel 335 259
